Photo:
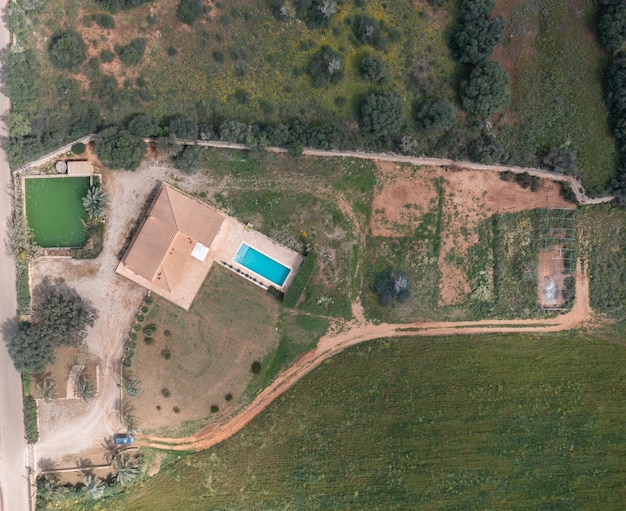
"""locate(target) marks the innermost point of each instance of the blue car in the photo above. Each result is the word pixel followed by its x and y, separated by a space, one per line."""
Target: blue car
pixel 123 439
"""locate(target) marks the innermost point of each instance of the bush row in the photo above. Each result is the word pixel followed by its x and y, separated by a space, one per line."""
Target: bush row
pixel 30 420
pixel 293 294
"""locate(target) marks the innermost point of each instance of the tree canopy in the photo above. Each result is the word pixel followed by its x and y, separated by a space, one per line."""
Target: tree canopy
pixel 477 34
pixel 382 113
pixel 393 285
pixel 67 50
pixel 60 317
pixel 120 149
pixel 436 114
pixel 612 26
pixel 486 91
pixel 326 66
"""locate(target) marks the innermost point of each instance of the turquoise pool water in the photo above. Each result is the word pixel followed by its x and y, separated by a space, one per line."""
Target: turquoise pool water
pixel 262 265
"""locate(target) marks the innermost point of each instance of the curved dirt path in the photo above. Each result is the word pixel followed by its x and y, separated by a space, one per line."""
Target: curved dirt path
pixel 358 331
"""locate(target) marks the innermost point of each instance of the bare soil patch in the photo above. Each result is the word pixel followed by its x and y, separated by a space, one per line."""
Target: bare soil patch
pixel 407 193
pixel 551 278
pixel 398 203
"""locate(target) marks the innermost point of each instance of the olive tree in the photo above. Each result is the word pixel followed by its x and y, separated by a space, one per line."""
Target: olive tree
pixel 486 91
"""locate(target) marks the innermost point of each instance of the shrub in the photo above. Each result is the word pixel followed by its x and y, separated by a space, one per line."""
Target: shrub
pixel 132 53
pixel 107 56
pixel 486 92
pixel 392 285
pixel 436 114
pixel 189 11
pixel 30 420
pixel 167 333
pixel 166 354
pixel 148 340
pixel 326 66
pixel 382 114
pixel 120 149
pixel 140 317
pixel 131 344
pixel 136 327
pixel 102 20
pixel 144 309
pixel 119 5
pixel 150 329
pixel 228 397
pixel 255 367
pixel 158 407
pixel 560 159
pixel 67 50
pixel 172 51
pixel 189 160
pixel 183 127
pixel 293 294
pixel 148 300
pixel 30 350
pixel 215 408
pixel 373 68
pixel 367 30
pixel 78 148
pixel 176 409
pixel 166 393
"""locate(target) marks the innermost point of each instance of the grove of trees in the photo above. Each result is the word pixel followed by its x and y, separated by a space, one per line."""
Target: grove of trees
pixel 383 113
pixel 60 317
pixel 478 34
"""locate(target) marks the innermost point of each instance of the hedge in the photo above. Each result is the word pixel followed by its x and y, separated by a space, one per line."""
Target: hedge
pixel 30 420
pixel 293 294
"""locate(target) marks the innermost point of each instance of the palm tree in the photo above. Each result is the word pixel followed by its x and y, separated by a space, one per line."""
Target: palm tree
pixel 132 387
pixel 94 486
pixel 84 389
pixel 126 468
pixel 94 202
pixel 47 389
pixel 131 423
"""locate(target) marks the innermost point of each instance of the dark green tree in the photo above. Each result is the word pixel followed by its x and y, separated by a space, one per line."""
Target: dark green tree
pixel 144 125
pixel 383 113
pixel 120 149
pixel 477 34
pixel 67 50
pixel 30 350
pixel 22 69
pixel 561 159
pixel 486 91
pixel 326 67
pixel 183 127
pixel 189 11
pixel 61 314
pixel 373 68
pixel 189 160
pixel 392 285
pixel 132 53
pixel 367 30
pixel 436 114
pixel 612 26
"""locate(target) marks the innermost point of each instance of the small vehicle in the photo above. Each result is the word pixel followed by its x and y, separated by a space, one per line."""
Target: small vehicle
pixel 123 439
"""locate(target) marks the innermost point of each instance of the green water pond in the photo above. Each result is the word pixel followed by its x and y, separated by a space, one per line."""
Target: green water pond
pixel 54 210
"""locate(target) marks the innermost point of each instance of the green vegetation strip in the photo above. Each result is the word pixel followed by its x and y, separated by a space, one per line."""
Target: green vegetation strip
pixel 388 425
pixel 30 420
pixel 293 294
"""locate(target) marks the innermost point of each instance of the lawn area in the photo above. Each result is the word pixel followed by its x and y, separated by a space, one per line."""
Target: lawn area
pixel 605 250
pixel 391 425
pixel 212 347
pixel 302 203
pixel 557 69
pixel 54 209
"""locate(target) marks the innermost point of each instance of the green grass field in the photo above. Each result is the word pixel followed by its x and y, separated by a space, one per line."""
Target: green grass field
pixel 516 422
pixel 557 86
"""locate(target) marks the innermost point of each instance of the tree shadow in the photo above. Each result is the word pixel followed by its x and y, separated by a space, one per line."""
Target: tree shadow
pixel 9 327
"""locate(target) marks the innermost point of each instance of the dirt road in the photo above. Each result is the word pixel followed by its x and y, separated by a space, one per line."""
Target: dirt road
pixel 358 331
pixel 14 486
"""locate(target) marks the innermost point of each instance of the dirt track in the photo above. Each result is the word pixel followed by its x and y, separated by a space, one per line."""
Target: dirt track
pixel 357 331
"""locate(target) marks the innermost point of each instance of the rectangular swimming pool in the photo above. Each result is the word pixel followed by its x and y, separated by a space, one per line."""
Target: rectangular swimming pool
pixel 262 265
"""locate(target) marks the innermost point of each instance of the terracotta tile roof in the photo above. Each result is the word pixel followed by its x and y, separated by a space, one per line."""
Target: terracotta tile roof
pixel 174 224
